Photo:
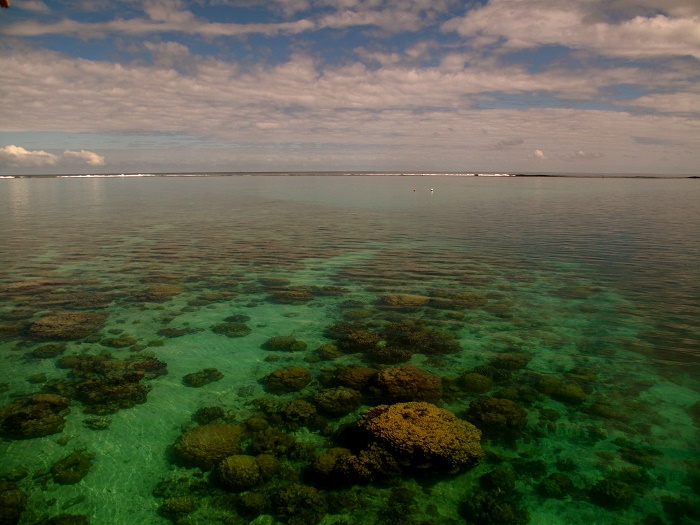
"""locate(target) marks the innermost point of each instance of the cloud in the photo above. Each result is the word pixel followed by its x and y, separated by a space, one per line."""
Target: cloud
pixel 578 25
pixel 19 157
pixel 88 157
pixel 572 156
pixel 162 16
pixel 36 6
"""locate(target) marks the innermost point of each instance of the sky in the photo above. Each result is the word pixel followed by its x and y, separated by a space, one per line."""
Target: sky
pixel 516 86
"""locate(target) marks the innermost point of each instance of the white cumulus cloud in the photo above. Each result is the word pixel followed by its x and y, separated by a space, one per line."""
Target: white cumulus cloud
pixel 19 157
pixel 89 157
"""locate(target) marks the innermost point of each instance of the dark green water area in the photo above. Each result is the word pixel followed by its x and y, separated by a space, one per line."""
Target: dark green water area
pixel 346 351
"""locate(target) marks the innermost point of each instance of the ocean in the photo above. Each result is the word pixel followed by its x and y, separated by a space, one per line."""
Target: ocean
pixel 349 350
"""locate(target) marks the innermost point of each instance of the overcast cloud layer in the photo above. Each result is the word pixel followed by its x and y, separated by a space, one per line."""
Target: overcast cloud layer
pixel 588 86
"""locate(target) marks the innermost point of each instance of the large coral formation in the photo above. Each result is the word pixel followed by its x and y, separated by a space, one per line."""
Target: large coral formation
pixel 422 435
pixel 66 325
pixel 34 416
pixel 238 472
pixel 71 469
pixel 207 445
pixel 289 379
pixel 405 383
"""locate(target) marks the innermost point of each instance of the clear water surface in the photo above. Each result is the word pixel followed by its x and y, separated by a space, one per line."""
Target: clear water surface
pixel 573 303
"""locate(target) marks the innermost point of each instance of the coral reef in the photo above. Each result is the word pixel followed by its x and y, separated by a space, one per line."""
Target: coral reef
pixel 403 301
pixel 122 341
pixel 556 485
pixel 289 379
pixel 66 325
pixel 415 335
pixel 297 412
pixel 105 385
pixel 71 469
pixel 355 377
pixel 497 416
pixel 206 445
pixel 337 401
pixel 178 506
pixel 201 378
pixel 300 505
pixel 272 441
pixel 405 383
pixel 48 351
pixel 34 416
pixel 493 508
pixel 560 390
pixel 12 502
pixel 292 295
pixel 171 332
pixel 206 415
pixel 389 355
pixel 284 343
pixel 238 473
pixel 231 329
pixel 359 341
pixel 612 494
pixel 422 435
pixel 475 382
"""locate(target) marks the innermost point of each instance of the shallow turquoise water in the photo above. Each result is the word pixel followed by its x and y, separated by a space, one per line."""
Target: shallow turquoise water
pixel 592 284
